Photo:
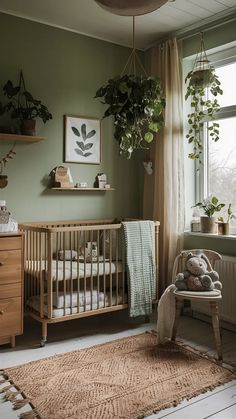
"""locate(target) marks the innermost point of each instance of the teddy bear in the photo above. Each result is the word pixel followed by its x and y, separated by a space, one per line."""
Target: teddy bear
pixel 197 277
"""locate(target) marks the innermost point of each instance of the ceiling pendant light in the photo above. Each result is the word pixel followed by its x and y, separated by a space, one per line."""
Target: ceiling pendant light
pixel 130 7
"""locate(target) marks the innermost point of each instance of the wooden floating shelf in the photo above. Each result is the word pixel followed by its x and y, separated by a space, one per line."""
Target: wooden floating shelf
pixel 21 138
pixel 84 189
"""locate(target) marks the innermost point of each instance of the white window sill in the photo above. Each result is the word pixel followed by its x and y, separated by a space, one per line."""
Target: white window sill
pixel 212 236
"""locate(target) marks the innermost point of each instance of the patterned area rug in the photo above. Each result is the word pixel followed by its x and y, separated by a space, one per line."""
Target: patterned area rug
pixel 128 378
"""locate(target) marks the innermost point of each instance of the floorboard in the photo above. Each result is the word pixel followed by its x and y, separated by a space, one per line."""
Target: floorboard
pixel 83 333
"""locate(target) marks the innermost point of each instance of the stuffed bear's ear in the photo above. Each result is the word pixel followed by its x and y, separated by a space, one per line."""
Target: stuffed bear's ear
pixel 189 255
pixel 204 257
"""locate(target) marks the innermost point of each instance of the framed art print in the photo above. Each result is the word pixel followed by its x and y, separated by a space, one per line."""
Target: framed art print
pixel 82 140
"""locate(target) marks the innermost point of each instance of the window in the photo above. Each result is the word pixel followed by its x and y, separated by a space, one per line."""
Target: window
pixel 218 174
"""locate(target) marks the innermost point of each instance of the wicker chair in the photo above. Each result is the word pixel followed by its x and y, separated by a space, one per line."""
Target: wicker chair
pixel 211 297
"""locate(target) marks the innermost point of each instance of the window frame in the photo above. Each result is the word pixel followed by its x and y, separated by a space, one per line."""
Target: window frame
pixel 202 170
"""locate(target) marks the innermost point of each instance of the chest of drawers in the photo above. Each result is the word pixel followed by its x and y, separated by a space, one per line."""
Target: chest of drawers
pixel 11 287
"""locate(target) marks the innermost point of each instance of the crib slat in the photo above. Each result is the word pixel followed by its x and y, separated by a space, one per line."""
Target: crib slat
pixel 91 279
pixel 71 277
pixel 104 266
pixel 78 276
pixel 85 237
pixel 110 260
pixel 64 272
pixel 41 288
pixel 49 273
pixel 116 270
pixel 98 277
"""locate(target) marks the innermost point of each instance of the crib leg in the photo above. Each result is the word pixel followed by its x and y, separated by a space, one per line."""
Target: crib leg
pixel 44 334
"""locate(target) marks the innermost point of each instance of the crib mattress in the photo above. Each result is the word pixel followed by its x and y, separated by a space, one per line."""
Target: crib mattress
pixel 87 302
pixel 71 270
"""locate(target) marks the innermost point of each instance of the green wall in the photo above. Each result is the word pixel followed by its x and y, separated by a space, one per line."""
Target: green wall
pixel 64 70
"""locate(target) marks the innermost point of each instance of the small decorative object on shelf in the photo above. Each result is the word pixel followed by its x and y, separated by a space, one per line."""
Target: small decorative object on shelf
pixel 101 180
pixel 62 177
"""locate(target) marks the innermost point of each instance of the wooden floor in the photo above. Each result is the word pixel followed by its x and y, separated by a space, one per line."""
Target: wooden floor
pixel 78 334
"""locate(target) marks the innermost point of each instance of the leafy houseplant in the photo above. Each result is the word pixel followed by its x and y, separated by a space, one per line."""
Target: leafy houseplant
pixel 209 206
pixel 137 104
pixel 23 106
pixel 202 107
pixel 223 225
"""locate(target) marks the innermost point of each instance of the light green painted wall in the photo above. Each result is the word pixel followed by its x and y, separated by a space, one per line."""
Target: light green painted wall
pixel 64 70
pixel 214 38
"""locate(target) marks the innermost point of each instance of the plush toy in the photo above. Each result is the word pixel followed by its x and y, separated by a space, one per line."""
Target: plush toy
pixel 197 277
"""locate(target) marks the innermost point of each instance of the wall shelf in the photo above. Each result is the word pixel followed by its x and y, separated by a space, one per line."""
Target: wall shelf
pixel 84 189
pixel 20 138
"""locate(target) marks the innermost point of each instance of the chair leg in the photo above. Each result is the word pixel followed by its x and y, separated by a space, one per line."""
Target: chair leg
pixel 216 327
pixel 178 307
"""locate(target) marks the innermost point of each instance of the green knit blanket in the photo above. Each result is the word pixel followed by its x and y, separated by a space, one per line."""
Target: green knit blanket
pixel 140 262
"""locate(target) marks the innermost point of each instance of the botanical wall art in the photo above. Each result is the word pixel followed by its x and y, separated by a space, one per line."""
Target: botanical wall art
pixel 82 140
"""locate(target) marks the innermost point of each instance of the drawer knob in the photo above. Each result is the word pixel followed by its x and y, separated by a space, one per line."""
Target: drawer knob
pixel 1 263
pixel 1 312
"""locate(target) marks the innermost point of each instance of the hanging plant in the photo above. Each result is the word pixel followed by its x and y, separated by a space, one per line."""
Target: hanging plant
pixel 137 104
pixel 202 108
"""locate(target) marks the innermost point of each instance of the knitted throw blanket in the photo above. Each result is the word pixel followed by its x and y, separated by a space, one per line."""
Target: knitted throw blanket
pixel 140 262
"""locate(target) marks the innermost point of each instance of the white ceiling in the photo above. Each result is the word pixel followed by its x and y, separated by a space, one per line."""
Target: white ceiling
pixel 86 17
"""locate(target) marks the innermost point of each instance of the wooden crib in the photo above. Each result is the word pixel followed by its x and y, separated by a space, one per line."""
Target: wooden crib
pixel 75 269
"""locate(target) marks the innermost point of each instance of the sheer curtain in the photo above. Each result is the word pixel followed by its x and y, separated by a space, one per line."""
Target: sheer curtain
pixel 164 189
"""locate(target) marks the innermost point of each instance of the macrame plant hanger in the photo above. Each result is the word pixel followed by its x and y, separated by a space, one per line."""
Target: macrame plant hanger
pixel 201 61
pixel 133 61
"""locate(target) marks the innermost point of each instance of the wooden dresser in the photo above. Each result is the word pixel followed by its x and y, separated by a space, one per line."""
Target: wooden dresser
pixel 11 287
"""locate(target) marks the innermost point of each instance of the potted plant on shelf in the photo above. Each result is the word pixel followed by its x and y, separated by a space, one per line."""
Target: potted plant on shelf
pixel 137 104
pixel 208 221
pixel 23 106
pixel 223 226
pixel 203 106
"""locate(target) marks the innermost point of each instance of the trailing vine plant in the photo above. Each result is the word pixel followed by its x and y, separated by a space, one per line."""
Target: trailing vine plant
pixel 203 88
pixel 137 104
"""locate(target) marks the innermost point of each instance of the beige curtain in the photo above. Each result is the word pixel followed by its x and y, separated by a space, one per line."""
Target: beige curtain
pixel 164 189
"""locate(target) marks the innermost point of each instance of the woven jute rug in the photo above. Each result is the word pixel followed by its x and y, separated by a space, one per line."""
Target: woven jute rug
pixel 128 378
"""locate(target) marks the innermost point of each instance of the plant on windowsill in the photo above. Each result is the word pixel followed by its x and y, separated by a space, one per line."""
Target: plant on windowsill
pixel 223 226
pixel 209 206
pixel 23 106
pixel 203 109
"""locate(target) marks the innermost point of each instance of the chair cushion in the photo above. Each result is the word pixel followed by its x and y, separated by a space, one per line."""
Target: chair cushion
pixel 201 295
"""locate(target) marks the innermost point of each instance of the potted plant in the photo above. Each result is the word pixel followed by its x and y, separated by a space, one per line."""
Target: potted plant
pixel 137 104
pixel 209 206
pixel 203 106
pixel 223 226
pixel 23 106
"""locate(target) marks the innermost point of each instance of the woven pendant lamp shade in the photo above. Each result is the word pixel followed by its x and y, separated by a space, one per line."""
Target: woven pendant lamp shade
pixel 130 7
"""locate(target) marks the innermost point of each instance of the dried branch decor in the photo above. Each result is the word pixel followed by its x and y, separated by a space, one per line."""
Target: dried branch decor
pixel 10 155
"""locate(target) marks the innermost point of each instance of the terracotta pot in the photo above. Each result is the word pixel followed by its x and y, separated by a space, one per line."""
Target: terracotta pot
pixel 28 127
pixel 209 225
pixel 223 229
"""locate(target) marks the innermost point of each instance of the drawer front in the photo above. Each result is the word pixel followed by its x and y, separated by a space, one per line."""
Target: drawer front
pixel 10 316
pixel 10 266
pixel 10 290
pixel 10 243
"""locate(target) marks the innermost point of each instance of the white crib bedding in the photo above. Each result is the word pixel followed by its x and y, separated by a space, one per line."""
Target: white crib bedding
pixel 87 302
pixel 71 269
